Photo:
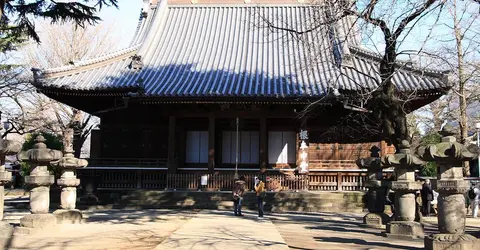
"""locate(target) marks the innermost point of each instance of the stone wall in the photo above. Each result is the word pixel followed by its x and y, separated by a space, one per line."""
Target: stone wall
pixel 276 202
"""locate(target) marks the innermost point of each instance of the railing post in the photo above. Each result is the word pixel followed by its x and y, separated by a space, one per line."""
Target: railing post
pixel 339 181
pixel 139 178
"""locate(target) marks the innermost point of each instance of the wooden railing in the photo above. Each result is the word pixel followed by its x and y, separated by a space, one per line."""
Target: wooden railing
pixel 160 179
pixel 332 164
pixel 137 162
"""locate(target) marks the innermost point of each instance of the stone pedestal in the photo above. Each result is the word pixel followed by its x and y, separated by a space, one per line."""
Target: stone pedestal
pixel 376 220
pixel 40 193
pixel 70 216
pixel 404 225
pixel 451 241
pixel 34 223
pixel 5 177
pixel 6 230
pixel 68 197
pixel 376 195
pixel 7 147
pixel 405 230
pixel 39 182
pixel 69 182
pixel 449 155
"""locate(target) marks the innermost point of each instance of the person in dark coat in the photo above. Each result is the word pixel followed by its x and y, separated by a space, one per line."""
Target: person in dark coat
pixel 238 191
pixel 427 197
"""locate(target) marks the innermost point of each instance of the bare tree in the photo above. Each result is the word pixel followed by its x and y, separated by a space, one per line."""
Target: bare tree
pixel 64 44
pixel 393 21
pixel 457 50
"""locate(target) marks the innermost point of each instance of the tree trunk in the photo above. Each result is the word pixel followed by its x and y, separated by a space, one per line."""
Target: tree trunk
pixel 387 108
pixel 463 119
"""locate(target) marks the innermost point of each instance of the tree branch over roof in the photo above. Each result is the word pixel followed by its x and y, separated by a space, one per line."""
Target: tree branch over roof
pixel 79 12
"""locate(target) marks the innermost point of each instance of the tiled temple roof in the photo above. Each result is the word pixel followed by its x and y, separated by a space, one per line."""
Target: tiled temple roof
pixel 227 50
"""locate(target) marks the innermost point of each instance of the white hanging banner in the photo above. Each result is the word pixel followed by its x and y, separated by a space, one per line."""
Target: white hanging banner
pixel 204 180
pixel 303 151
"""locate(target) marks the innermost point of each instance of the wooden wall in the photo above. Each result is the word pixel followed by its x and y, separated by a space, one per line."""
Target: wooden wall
pixel 143 132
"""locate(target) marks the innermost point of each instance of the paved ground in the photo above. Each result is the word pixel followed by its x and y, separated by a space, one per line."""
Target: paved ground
pixel 221 230
pixel 209 229
pixel 110 229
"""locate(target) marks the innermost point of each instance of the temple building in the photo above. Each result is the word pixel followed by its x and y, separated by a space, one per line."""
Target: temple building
pixel 196 71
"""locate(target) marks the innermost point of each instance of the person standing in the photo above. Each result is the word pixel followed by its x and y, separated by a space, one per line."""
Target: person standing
pixel 427 197
pixel 474 195
pixel 238 191
pixel 260 192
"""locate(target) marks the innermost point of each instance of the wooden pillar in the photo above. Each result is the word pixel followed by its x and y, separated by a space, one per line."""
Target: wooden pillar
pixel 303 148
pixel 339 181
pixel 336 153
pixel 383 148
pixel 211 144
pixel 263 144
pixel 172 168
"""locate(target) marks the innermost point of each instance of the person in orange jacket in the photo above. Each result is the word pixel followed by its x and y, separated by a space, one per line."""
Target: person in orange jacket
pixel 260 191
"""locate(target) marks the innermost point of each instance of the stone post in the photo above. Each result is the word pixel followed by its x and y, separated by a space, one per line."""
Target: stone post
pixel 376 195
pixel 69 182
pixel 449 156
pixel 39 181
pixel 7 147
pixel 405 163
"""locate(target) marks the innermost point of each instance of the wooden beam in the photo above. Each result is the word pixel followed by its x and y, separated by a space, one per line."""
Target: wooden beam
pixel 263 144
pixel 172 168
pixel 211 144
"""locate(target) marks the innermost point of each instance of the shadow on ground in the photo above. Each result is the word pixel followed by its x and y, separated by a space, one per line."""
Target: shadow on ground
pixel 364 243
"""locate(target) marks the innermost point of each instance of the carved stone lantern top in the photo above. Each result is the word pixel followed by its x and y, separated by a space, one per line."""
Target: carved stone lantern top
pixel 68 161
pixel 374 168
pixel 39 154
pixel 8 147
pixel 404 158
pixel 371 163
pixel 447 151
pixel 449 156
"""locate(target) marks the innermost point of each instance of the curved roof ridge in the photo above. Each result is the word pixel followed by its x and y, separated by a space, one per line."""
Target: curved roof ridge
pixel 368 54
pixel 95 60
pixel 144 23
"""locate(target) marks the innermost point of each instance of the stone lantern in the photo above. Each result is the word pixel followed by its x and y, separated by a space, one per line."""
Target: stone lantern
pixel 7 147
pixel 405 163
pixel 449 156
pixel 39 180
pixel 69 182
pixel 376 195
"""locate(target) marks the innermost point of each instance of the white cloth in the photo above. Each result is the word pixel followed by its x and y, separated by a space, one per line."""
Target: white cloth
pixel 474 205
pixel 435 197
pixel 477 193
pixel 475 202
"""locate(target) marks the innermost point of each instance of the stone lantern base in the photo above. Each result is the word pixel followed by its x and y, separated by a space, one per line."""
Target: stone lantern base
pixel 6 230
pixel 68 216
pixel 451 241
pixel 375 220
pixel 405 230
pixel 32 223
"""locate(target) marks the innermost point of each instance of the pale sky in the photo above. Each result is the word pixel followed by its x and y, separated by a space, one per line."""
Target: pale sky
pixel 124 19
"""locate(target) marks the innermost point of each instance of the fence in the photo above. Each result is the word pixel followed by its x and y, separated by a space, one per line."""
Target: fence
pixel 160 179
pixel 137 162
